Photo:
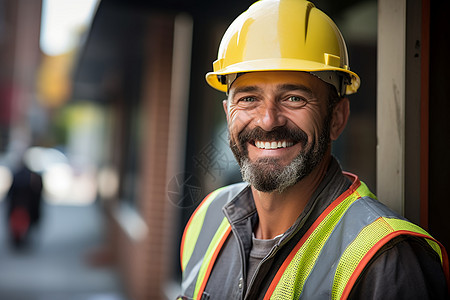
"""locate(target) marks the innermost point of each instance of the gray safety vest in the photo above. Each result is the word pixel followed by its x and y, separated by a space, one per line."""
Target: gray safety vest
pixel 326 261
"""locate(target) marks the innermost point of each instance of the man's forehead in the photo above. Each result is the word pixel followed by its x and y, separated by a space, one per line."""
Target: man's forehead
pixel 276 87
pixel 279 80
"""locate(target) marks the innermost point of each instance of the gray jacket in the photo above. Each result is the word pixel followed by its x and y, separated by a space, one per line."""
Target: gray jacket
pixel 405 268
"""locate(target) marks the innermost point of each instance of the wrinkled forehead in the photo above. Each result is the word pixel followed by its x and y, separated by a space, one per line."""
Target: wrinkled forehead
pixel 282 80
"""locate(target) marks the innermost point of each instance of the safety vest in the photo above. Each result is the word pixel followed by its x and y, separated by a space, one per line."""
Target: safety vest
pixel 326 261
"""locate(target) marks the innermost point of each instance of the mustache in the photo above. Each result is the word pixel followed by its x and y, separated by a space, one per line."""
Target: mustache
pixel 295 135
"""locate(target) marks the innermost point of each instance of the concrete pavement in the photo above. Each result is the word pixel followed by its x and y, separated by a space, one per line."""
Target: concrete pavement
pixel 54 266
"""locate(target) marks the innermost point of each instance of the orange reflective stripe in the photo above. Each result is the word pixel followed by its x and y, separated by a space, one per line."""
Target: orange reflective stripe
pixel 362 264
pixel 194 231
pixel 204 236
pixel 297 269
pixel 347 194
pixel 210 257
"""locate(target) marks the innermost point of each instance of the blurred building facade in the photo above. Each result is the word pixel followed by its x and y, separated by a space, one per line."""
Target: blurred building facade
pixel 158 137
pixel 20 58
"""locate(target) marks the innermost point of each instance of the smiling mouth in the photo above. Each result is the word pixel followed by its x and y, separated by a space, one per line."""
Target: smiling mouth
pixel 273 145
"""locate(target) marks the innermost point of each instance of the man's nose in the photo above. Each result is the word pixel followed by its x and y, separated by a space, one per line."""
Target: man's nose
pixel 270 116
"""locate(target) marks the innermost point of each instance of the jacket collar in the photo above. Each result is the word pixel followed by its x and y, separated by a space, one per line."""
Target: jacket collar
pixel 334 183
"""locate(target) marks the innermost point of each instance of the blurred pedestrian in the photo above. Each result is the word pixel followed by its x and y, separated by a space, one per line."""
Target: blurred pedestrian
pixel 24 204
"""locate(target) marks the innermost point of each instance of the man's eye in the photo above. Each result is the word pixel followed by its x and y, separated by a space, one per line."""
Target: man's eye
pixel 296 99
pixel 248 99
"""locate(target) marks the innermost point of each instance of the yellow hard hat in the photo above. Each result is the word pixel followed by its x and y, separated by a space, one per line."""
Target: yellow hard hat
pixel 288 35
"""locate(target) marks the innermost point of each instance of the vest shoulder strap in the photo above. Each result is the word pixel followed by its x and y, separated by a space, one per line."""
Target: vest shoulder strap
pixel 334 251
pixel 371 238
pixel 291 276
pixel 203 238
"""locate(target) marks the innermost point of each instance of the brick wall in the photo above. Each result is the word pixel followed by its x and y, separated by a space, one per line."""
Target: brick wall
pixel 146 263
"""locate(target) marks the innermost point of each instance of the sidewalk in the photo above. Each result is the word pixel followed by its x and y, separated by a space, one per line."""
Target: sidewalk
pixel 54 266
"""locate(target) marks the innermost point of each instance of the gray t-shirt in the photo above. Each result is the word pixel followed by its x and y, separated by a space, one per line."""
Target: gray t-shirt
pixel 260 249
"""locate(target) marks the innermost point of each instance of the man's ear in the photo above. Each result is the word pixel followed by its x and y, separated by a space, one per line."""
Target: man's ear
pixel 339 119
pixel 225 107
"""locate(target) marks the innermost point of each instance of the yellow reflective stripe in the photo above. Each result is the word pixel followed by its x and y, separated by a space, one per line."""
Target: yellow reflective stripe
pixel 209 253
pixel 364 191
pixel 398 224
pixel 194 227
pixel 403 225
pixel 291 283
pixel 362 244
pixel 355 252
pixel 436 248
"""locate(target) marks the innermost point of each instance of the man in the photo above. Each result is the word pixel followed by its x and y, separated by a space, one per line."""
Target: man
pixel 299 228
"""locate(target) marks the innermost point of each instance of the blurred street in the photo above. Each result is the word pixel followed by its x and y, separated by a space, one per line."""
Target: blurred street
pixel 55 264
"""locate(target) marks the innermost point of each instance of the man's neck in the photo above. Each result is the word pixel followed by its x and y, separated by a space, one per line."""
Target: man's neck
pixel 278 211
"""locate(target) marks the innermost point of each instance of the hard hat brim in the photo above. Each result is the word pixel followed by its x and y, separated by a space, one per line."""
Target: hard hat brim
pixel 278 64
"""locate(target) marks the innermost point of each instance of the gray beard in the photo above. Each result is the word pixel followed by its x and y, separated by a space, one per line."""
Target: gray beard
pixel 264 176
pixel 267 175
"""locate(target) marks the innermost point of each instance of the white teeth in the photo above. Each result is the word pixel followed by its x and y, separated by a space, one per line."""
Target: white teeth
pixel 273 145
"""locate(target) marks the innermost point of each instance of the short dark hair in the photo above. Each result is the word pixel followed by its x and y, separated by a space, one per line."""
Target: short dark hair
pixel 333 98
